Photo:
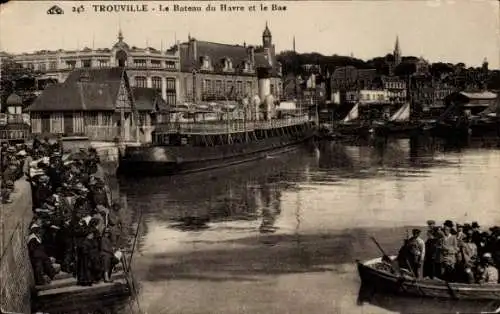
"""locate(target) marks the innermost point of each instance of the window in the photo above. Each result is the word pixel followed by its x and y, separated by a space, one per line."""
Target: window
pixel 92 118
pixel 71 64
pixel 140 81
pixel 229 86
pixel 205 63
pixel 171 98
pixel 53 65
pixel 87 63
pixel 206 84
pixel 143 119
pixel 156 63
pixel 228 64
pixel 156 82
pixel 239 87
pixel 106 118
pixel 103 63
pixel 140 63
pixel 170 84
pixel 170 65
pixel 248 66
pixel 249 87
pixel 218 85
pixel 42 67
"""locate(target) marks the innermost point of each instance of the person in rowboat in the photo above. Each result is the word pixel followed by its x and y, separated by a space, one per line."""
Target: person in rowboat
pixel 448 247
pixel 416 253
pixel 487 272
pixel 467 258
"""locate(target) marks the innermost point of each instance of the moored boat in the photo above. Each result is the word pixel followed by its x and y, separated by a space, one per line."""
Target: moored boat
pixel 378 274
pixel 398 123
pixel 191 147
pixel 352 124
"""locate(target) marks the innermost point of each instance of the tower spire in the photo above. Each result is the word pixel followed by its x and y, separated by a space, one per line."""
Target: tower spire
pixel 397 52
pixel 120 34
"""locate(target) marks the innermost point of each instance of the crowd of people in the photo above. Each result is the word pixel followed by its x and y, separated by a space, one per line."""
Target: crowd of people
pixel 76 228
pixel 453 252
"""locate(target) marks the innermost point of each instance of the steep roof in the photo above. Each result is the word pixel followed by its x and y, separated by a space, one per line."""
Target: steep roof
pixel 148 99
pixel 87 90
pixel 218 51
pixel 215 51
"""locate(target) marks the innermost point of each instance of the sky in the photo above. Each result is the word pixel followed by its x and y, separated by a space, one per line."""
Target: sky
pixel 439 30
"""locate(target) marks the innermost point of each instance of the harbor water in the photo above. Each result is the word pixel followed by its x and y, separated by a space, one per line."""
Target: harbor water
pixel 282 235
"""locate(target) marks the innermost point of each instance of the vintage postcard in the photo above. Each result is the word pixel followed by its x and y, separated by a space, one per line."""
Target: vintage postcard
pixel 233 157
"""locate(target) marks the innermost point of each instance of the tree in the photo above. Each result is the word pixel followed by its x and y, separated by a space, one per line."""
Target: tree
pixel 438 69
pixel 405 69
pixel 16 79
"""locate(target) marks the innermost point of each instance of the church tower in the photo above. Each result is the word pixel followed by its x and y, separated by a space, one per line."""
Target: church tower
pixel 397 53
pixel 485 64
pixel 267 39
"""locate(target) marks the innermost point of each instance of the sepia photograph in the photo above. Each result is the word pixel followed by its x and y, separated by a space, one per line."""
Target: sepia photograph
pixel 249 157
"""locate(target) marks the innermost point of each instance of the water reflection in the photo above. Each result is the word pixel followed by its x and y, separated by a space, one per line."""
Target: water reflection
pixel 287 230
pixel 399 304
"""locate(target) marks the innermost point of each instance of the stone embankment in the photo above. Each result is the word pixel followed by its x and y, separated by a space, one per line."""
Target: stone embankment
pixel 15 266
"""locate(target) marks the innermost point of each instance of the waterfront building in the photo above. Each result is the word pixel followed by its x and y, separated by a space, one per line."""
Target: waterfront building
pixel 215 71
pixel 350 78
pixel 97 103
pixel 191 71
pixel 146 67
pixel 472 102
pixel 395 87
pixel 368 96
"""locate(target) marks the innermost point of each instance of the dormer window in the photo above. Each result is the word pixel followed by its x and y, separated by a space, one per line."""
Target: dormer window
pixel 228 64
pixel 247 66
pixel 205 63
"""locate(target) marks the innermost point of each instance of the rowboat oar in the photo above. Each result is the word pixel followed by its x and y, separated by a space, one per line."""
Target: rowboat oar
pixel 396 268
pixel 386 257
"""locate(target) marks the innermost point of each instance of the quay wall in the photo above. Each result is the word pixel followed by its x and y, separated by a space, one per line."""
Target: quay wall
pixel 16 272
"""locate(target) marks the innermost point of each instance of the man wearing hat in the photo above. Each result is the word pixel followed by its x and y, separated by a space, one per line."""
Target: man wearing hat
pixel 476 233
pixel 416 253
pixel 42 265
pixel 107 254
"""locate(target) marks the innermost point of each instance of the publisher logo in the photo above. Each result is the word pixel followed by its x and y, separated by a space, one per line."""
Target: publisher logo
pixel 55 10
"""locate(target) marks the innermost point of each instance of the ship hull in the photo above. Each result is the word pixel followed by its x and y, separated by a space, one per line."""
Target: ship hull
pixel 171 160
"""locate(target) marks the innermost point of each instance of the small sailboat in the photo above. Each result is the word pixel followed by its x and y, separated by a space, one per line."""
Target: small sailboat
pixel 398 123
pixel 351 124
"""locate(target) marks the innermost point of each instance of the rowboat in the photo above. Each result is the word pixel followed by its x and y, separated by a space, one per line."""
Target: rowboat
pixel 377 273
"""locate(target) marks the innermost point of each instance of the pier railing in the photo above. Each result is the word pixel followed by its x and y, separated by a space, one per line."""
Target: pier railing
pixel 229 126
pixel 15 134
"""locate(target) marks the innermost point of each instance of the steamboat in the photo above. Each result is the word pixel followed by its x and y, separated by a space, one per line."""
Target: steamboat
pixel 201 136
